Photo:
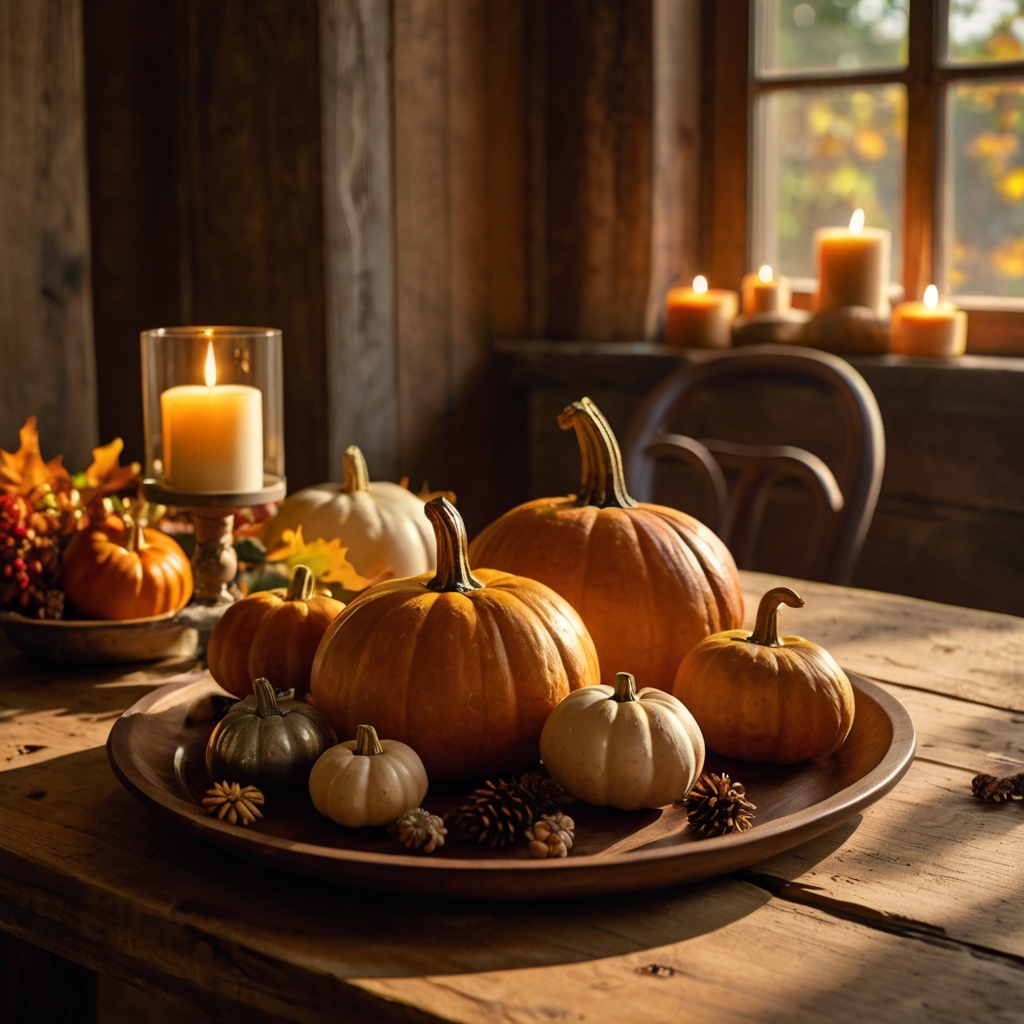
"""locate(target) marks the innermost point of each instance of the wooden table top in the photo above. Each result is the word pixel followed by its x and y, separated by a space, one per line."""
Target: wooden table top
pixel 913 910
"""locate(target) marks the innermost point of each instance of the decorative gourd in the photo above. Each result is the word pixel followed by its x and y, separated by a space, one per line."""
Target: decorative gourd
pixel 267 743
pixel 649 581
pixel 377 522
pixel 761 697
pixel 272 633
pixel 612 746
pixel 118 570
pixel 367 781
pixel 463 667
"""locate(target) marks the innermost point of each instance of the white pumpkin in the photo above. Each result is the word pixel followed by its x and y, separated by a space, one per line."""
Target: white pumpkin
pixel 377 522
pixel 367 781
pixel 616 747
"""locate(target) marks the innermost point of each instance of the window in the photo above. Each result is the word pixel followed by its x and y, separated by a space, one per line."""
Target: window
pixel 910 109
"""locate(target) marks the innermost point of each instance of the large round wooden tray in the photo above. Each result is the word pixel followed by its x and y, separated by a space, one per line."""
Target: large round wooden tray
pixel 160 759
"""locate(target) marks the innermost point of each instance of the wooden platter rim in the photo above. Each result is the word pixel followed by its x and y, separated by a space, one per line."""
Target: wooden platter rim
pixel 416 873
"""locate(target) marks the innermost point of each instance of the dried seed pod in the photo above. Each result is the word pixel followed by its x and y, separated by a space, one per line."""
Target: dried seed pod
pixel 234 803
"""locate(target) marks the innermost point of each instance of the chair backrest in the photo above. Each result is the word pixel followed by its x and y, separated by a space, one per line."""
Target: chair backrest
pixel 739 478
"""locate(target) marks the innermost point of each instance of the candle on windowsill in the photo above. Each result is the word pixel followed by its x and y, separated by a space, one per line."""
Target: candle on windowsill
pixel 700 317
pixel 853 267
pixel 928 328
pixel 763 292
pixel 212 435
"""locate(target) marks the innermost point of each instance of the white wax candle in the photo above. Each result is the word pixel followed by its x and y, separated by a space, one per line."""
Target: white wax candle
pixel 929 328
pixel 763 292
pixel 700 317
pixel 212 436
pixel 853 267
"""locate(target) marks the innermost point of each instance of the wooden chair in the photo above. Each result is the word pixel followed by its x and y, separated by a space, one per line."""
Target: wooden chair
pixel 739 478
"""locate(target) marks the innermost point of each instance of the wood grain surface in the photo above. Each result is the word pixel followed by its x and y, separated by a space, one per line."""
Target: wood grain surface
pixel 911 911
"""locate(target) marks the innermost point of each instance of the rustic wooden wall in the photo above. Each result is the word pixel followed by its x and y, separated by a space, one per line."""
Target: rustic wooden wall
pixel 45 315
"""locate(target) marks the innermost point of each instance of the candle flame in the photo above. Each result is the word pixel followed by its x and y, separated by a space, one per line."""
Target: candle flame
pixel 857 222
pixel 931 297
pixel 211 366
pixel 764 275
pixel 700 284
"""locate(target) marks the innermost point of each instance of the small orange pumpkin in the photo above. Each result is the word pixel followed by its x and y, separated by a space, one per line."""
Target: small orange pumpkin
pixel 649 581
pixel 761 697
pixel 118 570
pixel 463 667
pixel 272 634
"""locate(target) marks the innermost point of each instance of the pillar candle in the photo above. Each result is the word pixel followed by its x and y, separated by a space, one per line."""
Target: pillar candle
pixel 853 267
pixel 212 435
pixel 929 328
pixel 700 317
pixel 763 292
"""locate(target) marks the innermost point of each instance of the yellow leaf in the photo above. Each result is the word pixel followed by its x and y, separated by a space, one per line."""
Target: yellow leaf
pixel 24 470
pixel 870 145
pixel 325 559
pixel 106 475
pixel 1011 185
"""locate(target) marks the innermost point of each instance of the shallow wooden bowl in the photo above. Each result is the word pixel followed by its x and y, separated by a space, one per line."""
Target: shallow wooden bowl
pixel 98 642
pixel 160 759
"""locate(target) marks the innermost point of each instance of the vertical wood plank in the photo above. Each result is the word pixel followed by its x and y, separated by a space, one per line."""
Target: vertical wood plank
pixel 45 313
pixel 355 62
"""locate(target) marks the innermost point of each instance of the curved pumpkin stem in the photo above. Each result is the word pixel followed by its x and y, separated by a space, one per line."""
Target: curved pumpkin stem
pixel 453 572
pixel 367 742
pixel 303 584
pixel 357 476
pixel 603 481
pixel 266 699
pixel 625 688
pixel 766 628
pixel 135 540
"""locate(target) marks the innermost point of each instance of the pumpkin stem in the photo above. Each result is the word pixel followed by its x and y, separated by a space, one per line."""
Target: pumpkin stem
pixel 625 688
pixel 453 572
pixel 367 742
pixel 357 476
pixel 603 480
pixel 266 699
pixel 766 628
pixel 303 584
pixel 134 541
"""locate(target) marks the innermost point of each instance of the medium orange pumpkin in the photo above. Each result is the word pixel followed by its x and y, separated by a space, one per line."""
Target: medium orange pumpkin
pixel 118 570
pixel 649 581
pixel 463 667
pixel 272 634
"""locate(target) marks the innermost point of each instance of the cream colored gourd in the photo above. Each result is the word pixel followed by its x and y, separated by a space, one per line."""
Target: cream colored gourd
pixel 612 746
pixel 378 522
pixel 367 781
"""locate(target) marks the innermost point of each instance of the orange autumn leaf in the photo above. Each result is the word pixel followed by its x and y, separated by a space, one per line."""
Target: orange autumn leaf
pixel 325 559
pixel 106 475
pixel 25 470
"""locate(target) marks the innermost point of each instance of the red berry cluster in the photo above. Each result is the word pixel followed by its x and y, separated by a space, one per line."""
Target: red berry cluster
pixel 29 558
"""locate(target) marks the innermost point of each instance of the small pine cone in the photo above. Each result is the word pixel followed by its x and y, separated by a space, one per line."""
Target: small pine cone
pixel 717 806
pixel 997 790
pixel 552 836
pixel 543 794
pixel 233 803
pixel 498 813
pixel 419 830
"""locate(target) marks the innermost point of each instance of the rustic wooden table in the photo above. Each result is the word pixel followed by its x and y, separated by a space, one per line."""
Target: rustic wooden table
pixel 914 910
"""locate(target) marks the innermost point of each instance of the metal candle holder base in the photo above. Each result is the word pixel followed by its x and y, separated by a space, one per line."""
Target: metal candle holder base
pixel 214 562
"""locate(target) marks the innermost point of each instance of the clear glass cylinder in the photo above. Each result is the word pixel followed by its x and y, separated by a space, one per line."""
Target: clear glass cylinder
pixel 213 409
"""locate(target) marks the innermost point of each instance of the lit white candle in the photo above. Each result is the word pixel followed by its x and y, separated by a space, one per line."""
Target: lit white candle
pixel 929 328
pixel 853 267
pixel 212 435
pixel 765 292
pixel 700 317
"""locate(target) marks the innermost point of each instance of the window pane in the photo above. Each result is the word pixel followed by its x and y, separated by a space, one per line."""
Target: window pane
pixel 822 153
pixel 986 31
pixel 984 247
pixel 825 35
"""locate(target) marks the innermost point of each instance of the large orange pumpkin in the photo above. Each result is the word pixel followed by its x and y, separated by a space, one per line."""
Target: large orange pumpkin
pixel 463 667
pixel 271 634
pixel 650 582
pixel 118 570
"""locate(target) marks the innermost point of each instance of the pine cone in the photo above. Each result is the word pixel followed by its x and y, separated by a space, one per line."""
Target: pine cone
pixel 717 806
pixel 234 803
pixel 997 790
pixel 29 558
pixel 419 830
pixel 499 813
pixel 552 836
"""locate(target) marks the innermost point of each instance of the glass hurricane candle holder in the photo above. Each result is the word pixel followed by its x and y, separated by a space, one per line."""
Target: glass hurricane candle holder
pixel 213 410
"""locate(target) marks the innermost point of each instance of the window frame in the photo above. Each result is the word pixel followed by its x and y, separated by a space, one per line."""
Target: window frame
pixel 729 52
